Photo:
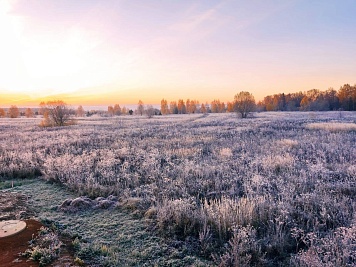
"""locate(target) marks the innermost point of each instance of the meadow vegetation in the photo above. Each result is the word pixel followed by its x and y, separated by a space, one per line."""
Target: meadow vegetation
pixel 277 189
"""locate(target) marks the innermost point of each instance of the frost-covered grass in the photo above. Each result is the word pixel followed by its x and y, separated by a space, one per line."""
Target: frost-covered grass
pixel 113 237
pixel 210 181
pixel 332 126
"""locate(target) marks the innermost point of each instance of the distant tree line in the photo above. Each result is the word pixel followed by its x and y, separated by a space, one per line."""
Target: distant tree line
pixel 312 100
pixel 14 112
pixel 243 103
pixel 116 110
pixel 141 110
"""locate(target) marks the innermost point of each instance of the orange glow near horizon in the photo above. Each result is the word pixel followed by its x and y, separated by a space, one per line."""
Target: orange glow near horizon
pixel 102 53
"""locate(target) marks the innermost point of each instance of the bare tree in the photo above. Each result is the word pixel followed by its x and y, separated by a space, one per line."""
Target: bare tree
pixel 13 112
pixel 80 111
pixel 173 108
pixel 305 103
pixel 110 111
pixel 124 110
pixel 187 106
pixel 244 103
pixel 193 106
pixel 42 108
pixel 117 110
pixel 140 108
pixel 56 113
pixel 150 111
pixel 2 113
pixel 216 106
pixel 203 108
pixel 230 107
pixel 29 113
pixel 181 107
pixel 164 107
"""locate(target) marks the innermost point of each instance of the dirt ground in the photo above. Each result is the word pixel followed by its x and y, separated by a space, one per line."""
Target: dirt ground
pixel 14 206
pixel 11 246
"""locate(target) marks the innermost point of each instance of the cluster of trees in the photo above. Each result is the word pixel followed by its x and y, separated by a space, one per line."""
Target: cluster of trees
pixel 243 103
pixel 312 100
pixel 181 107
pixel 116 110
pixel 14 112
pixel 141 110
pixel 191 106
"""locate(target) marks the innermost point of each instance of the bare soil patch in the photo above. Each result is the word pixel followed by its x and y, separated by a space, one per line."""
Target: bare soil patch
pixel 14 206
pixel 11 246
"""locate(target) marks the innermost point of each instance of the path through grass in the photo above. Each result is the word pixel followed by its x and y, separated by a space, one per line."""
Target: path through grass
pixel 107 237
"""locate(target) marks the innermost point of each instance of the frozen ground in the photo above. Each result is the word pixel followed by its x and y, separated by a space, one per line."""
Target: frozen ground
pixel 274 189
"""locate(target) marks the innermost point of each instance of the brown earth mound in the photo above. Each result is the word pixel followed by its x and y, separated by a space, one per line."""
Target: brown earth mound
pixel 85 203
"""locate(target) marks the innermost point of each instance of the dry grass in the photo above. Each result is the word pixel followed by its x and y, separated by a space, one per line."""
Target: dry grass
pixel 226 152
pixel 288 143
pixel 276 163
pixel 202 182
pixel 332 126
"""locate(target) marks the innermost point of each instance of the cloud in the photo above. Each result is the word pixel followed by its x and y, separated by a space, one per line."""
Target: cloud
pixel 192 23
pixel 199 21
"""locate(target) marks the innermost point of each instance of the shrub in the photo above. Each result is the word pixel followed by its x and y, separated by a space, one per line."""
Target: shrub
pixel 336 249
pixel 45 247
pixel 243 249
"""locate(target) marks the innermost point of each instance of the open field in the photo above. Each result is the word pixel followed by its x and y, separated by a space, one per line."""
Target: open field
pixel 277 189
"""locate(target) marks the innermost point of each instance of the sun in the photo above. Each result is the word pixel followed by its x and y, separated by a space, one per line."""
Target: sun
pixel 39 64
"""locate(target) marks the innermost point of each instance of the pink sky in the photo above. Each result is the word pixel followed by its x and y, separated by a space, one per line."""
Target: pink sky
pixel 105 52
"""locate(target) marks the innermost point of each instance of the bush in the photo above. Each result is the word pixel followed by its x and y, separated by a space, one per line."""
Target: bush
pixel 44 248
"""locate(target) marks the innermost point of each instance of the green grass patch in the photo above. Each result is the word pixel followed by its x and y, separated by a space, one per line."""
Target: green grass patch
pixel 14 183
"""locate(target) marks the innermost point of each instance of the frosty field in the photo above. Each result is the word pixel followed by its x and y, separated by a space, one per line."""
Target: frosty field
pixel 277 189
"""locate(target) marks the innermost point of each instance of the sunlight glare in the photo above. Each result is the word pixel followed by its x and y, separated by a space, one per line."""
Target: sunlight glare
pixel 37 65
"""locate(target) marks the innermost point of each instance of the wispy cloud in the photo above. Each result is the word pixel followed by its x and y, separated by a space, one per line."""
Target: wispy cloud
pixel 193 22
pixel 200 21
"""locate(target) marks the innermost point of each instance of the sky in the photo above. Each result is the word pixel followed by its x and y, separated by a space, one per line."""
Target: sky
pixel 95 52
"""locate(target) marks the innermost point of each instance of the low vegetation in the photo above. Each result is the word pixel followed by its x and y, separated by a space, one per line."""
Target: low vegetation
pixel 44 248
pixel 332 126
pixel 274 190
